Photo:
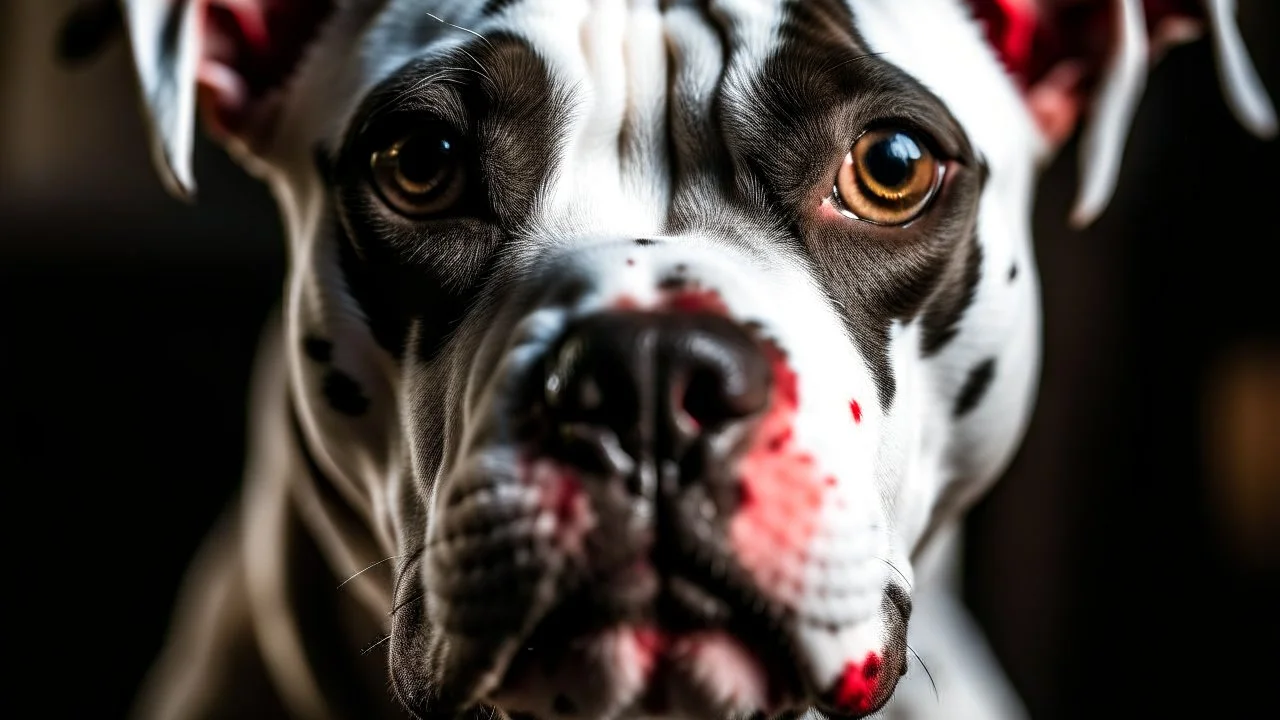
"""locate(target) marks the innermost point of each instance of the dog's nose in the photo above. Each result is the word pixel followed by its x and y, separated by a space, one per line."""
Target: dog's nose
pixel 657 383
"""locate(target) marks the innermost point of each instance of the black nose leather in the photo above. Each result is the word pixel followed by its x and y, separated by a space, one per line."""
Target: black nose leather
pixel 657 382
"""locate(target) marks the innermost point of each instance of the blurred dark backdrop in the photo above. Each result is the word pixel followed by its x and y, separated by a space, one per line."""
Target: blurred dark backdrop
pixel 1129 563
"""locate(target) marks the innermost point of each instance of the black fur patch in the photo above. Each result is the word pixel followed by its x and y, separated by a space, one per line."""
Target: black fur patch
pixel 494 7
pixel 975 387
pixel 789 128
pixel 427 273
pixel 1013 272
pixel 954 295
pixel 317 348
pixel 344 394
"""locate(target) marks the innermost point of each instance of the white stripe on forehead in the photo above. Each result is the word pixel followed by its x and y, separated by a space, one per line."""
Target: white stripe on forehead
pixel 621 61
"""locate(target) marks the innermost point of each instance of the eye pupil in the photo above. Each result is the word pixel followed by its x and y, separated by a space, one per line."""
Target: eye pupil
pixel 891 161
pixel 422 162
pixel 420 175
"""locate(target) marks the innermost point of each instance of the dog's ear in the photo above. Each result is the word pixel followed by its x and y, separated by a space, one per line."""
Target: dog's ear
pixel 1085 63
pixel 227 61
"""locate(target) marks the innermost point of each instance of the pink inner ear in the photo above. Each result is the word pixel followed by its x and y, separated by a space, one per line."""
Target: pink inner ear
pixel 1054 49
pixel 251 48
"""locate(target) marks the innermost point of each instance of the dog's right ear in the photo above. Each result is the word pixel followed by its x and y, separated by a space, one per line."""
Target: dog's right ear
pixel 227 61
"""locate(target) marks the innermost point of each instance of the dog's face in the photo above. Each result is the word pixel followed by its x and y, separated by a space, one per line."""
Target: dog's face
pixel 652 338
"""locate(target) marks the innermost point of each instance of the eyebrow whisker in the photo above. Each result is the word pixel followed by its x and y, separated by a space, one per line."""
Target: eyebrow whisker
pixel 459 27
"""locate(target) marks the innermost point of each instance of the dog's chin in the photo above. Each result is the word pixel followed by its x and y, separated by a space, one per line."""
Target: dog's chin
pixel 636 670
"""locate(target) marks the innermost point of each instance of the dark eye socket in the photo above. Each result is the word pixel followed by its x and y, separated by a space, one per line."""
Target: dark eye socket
pixel 889 177
pixel 421 174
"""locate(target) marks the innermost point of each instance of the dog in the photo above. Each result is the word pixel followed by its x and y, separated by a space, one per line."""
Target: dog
pixel 635 358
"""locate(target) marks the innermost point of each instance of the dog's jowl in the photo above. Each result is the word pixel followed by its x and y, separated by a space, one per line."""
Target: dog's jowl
pixel 636 358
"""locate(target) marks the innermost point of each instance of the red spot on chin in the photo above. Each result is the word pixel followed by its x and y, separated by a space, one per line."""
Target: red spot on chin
pixel 856 409
pixel 631 261
pixel 625 302
pixel 857 688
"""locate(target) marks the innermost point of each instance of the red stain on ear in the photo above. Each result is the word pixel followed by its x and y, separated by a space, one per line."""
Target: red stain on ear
pixel 857 687
pixel 856 409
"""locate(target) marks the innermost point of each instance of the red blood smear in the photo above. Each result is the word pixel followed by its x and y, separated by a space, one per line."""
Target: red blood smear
pixel 1032 37
pixel 856 409
pixel 782 489
pixel 651 643
pixel 857 688
pixel 695 300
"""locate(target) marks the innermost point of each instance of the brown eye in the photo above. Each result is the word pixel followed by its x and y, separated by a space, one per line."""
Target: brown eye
pixel 888 178
pixel 421 174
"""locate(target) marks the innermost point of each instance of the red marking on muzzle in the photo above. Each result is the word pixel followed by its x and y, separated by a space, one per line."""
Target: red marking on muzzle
pixel 782 491
pixel 565 501
pixel 695 300
pixel 856 410
pixel 856 690
pixel 651 643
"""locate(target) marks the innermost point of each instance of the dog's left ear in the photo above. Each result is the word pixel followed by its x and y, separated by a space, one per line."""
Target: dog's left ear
pixel 1086 62
pixel 228 61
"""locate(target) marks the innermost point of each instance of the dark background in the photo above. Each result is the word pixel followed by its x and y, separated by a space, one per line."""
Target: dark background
pixel 1127 564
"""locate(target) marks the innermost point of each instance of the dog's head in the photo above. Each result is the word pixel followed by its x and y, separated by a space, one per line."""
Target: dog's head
pixel 653 338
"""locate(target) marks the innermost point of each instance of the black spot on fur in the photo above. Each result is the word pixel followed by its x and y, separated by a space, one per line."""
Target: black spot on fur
pixel 975 387
pixel 644 242
pixel 344 394
pixel 1013 272
pixel 317 348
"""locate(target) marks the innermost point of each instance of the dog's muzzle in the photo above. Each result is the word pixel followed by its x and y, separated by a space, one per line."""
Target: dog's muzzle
pixel 626 535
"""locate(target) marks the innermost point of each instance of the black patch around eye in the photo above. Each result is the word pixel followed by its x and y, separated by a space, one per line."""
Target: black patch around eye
pixel 344 394
pixel 494 7
pixel 317 348
pixel 975 387
pixel 952 299
pixel 323 161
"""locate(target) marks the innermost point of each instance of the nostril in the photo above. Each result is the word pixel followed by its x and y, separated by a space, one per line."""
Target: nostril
pixel 706 401
pixel 725 377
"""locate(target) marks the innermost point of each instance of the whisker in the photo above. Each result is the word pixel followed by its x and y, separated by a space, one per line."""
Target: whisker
pixel 369 649
pixel 459 27
pixel 413 598
pixel 895 569
pixel 926 672
pixel 400 571
pixel 361 572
